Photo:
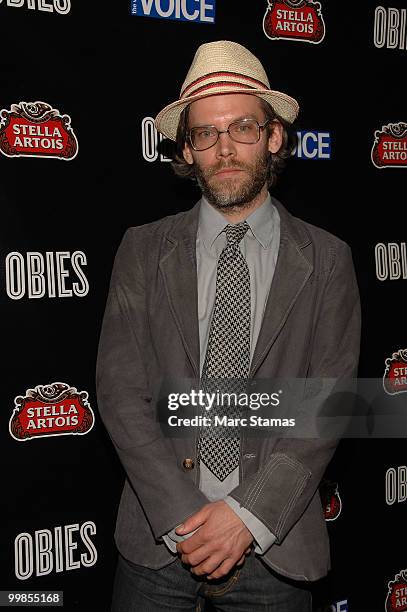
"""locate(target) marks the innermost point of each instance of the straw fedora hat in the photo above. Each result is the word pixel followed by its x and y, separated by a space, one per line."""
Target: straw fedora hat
pixel 224 67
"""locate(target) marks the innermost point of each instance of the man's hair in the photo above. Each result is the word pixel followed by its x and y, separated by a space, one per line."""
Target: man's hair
pixel 277 160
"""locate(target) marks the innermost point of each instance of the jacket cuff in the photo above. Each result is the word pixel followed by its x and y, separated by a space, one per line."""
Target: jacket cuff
pixel 263 537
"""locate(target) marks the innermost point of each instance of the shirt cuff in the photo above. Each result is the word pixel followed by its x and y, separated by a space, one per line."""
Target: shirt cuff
pixel 171 538
pixel 263 537
pixel 171 545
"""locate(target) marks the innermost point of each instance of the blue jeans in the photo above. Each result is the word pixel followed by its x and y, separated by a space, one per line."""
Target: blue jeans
pixel 254 587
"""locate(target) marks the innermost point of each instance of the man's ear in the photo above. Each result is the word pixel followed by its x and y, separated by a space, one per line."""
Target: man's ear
pixel 187 154
pixel 276 137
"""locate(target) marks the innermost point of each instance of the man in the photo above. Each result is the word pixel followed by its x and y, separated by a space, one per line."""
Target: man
pixel 235 290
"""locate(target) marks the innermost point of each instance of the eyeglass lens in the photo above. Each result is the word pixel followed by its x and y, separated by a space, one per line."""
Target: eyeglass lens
pixel 246 131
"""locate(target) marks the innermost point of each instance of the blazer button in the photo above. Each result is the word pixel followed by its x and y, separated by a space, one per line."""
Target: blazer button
pixel 188 463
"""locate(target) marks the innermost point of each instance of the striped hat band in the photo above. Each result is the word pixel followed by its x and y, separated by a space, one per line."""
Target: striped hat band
pixel 224 67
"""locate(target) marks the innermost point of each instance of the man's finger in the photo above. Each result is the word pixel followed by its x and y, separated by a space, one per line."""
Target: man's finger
pixel 223 569
pixel 190 544
pixel 196 556
pixel 209 565
pixel 191 523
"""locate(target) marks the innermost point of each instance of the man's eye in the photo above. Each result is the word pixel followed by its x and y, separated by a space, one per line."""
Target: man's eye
pixel 244 127
pixel 204 134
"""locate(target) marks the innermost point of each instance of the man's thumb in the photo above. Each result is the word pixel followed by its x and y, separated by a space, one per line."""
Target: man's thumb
pixel 190 524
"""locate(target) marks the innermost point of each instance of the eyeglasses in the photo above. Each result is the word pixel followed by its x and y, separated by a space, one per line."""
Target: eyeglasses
pixel 246 131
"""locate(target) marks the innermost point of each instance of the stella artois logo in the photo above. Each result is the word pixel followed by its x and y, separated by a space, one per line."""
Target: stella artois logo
pixel 51 410
pixel 396 600
pixel 395 373
pixel 294 20
pixel 35 129
pixel 390 146
pixel 330 498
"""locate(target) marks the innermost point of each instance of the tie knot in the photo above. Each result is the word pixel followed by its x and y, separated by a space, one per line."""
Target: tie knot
pixel 235 233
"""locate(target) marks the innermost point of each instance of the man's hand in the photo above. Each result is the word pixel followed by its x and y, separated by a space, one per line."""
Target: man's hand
pixel 222 540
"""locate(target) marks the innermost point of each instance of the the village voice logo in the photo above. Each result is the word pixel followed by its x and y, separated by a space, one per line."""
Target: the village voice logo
pixel 62 7
pixel 300 20
pixel 340 605
pixel 313 145
pixel 389 149
pixel 201 11
pixel 51 410
pixel 35 129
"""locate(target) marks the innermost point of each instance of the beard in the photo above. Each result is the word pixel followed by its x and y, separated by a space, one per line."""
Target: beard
pixel 235 191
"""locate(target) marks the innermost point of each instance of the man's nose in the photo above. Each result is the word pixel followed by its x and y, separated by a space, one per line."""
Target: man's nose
pixel 225 145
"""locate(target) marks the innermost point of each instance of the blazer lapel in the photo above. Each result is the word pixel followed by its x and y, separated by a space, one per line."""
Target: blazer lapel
pixel 291 273
pixel 178 267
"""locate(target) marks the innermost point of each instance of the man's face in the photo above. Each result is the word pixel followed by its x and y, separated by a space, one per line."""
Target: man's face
pixel 231 173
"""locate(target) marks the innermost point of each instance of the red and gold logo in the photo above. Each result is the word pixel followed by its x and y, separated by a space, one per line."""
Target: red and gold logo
pixel 35 129
pixel 390 146
pixel 395 374
pixel 396 600
pixel 330 498
pixel 51 410
pixel 294 20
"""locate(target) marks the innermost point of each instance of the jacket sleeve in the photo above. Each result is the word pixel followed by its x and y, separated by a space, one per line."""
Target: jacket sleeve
pixel 281 490
pixel 263 538
pixel 125 399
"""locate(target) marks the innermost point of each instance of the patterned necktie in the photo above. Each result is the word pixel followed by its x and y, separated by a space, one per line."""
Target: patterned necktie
pixel 227 354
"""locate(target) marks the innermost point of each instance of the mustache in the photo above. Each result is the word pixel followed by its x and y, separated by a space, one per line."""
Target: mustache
pixel 218 167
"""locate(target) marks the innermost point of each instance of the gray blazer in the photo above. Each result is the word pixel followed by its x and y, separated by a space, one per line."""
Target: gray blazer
pixel 311 328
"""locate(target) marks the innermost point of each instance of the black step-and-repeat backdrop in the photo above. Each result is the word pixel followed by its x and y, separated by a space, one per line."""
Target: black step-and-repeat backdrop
pixel 80 162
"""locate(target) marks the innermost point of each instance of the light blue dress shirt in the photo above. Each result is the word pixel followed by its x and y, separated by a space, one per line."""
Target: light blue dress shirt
pixel 260 247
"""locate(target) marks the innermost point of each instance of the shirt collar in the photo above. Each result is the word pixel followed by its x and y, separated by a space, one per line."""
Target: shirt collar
pixel 260 221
